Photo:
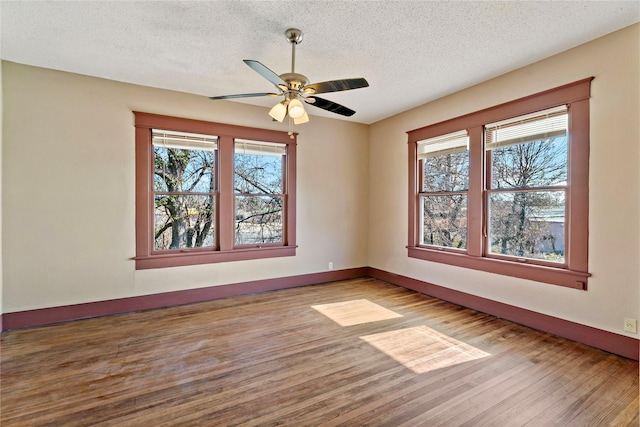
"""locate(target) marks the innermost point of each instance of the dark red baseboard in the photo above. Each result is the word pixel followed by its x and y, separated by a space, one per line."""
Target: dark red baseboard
pixel 604 340
pixel 48 316
pixel 608 341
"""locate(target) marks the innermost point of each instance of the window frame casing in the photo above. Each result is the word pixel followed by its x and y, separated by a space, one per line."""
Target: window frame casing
pixel 574 273
pixel 225 250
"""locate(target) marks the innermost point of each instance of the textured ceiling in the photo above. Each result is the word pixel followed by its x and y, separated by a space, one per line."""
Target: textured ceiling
pixel 411 52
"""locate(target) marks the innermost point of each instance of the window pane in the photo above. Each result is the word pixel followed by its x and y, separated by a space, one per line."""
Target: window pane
pixel 259 220
pixel 530 150
pixel 184 170
pixel 258 171
pixel 444 221
pixel 445 162
pixel 182 221
pixel 528 224
pixel 540 163
pixel 446 172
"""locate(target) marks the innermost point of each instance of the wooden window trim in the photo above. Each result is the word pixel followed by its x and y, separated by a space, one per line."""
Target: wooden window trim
pixel 225 251
pixel 574 273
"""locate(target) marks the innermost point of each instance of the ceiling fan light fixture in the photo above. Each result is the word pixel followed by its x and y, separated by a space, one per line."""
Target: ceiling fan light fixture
pixel 301 120
pixel 296 109
pixel 279 111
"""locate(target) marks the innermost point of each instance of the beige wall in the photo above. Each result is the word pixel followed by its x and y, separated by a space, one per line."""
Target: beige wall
pixel 68 195
pixel 614 185
pixel 69 211
pixel 1 260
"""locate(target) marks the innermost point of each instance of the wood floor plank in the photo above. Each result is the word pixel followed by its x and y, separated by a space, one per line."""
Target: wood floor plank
pixel 451 383
pixel 272 359
pixel 516 402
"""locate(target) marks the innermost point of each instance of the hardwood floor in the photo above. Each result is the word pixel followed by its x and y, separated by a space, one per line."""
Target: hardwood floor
pixel 353 353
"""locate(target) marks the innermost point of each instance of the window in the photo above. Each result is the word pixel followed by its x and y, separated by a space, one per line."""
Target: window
pixel 526 167
pixel 184 190
pixel 505 190
pixel 209 192
pixel 444 166
pixel 259 195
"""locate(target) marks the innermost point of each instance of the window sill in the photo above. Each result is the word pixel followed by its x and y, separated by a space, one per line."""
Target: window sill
pixel 538 273
pixel 212 257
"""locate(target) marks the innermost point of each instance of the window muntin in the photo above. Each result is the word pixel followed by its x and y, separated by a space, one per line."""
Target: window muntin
pixel 444 165
pixel 527 164
pixel 563 223
pixel 184 190
pixel 259 200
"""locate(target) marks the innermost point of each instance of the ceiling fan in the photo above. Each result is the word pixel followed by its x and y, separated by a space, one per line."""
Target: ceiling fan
pixel 295 88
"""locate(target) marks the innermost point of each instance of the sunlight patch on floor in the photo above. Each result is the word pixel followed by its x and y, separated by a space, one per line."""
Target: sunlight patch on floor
pixel 423 349
pixel 355 312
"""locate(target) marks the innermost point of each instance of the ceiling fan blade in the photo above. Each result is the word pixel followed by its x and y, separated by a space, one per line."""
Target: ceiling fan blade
pixel 243 95
pixel 336 85
pixel 329 106
pixel 265 72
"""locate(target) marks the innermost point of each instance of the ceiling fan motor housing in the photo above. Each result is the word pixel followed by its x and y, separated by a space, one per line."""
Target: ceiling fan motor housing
pixel 295 81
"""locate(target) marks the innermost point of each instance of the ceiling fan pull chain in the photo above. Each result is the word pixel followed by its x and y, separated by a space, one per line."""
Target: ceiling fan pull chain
pixel 290 133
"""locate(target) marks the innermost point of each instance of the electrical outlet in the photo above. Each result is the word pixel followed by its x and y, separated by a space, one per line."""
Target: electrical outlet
pixel 331 265
pixel 630 325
